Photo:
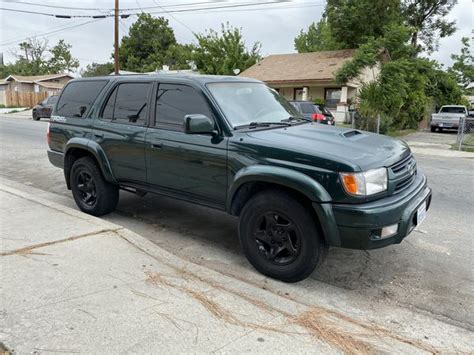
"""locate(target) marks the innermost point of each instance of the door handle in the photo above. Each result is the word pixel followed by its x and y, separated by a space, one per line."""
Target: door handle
pixel 157 145
pixel 99 135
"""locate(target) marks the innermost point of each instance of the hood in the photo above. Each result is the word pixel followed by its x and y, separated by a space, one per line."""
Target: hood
pixel 353 147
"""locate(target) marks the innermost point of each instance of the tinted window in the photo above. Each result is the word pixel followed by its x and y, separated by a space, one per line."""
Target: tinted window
pixel 78 97
pixel 108 110
pixel 52 100
pixel 173 102
pixel 128 104
pixel 307 107
pixel 452 109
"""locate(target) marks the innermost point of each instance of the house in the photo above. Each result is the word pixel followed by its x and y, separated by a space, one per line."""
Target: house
pixel 310 76
pixel 20 90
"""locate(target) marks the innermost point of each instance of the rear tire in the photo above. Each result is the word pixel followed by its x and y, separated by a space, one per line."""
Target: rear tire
pixel 93 195
pixel 280 237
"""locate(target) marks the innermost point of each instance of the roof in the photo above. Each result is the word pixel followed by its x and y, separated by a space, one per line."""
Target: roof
pixel 202 79
pixel 3 82
pixel 281 68
pixel 36 78
pixel 49 85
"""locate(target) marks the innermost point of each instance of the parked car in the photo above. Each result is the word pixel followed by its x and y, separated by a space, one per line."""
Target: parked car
pixel 318 113
pixel 43 109
pixel 448 117
pixel 233 144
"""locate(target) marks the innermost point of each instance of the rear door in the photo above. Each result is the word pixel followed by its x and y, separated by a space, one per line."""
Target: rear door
pixel 190 165
pixel 120 129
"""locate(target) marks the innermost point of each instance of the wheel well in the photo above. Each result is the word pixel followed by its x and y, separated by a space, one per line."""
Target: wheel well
pixel 71 156
pixel 249 189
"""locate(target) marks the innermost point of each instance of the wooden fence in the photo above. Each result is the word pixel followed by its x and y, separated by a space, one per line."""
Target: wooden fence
pixel 24 98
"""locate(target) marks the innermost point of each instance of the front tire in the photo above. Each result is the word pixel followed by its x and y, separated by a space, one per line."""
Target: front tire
pixel 35 116
pixel 93 195
pixel 433 129
pixel 280 237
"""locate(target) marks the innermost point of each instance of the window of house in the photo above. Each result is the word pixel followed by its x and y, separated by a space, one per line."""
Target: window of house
pixel 332 97
pixel 298 94
pixel 78 97
pixel 175 101
pixel 127 104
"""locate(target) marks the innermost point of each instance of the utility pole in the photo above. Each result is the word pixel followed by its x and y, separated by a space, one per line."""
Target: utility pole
pixel 116 38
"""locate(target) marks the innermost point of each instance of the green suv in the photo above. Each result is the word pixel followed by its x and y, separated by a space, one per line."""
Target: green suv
pixel 236 145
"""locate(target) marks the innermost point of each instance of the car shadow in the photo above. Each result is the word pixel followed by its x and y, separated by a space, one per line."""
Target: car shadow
pixel 189 230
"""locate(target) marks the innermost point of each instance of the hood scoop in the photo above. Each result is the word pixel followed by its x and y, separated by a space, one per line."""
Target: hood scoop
pixel 350 134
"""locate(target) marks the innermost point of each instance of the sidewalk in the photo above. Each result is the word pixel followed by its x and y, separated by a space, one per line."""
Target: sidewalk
pixel 75 283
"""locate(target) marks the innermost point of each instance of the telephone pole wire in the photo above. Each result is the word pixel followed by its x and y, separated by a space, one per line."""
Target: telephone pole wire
pixel 116 38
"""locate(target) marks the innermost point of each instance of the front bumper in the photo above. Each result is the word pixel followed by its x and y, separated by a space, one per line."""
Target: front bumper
pixel 357 225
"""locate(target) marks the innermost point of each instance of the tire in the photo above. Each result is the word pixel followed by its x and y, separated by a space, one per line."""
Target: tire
pixel 280 237
pixel 433 129
pixel 93 195
pixel 35 116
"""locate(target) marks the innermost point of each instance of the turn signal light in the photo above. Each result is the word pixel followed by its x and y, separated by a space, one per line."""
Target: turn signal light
pixel 350 183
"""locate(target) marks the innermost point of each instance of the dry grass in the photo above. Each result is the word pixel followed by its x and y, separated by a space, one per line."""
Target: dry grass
pixel 319 322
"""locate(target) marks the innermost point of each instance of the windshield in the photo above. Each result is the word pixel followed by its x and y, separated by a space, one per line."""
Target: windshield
pixel 245 103
pixel 452 109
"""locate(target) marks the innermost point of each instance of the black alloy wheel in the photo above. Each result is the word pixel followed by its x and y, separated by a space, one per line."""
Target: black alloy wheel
pixel 86 187
pixel 277 238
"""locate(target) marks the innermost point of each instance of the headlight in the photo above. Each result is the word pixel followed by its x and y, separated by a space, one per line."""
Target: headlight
pixel 367 183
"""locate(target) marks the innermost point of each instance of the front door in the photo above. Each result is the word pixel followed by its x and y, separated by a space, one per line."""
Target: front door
pixel 121 127
pixel 189 165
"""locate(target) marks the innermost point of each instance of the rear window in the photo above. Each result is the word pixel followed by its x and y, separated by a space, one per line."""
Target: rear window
pixel 52 100
pixel 307 108
pixel 78 97
pixel 452 109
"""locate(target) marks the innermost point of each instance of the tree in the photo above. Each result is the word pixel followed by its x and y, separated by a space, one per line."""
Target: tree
pixel 428 20
pixel 317 38
pixel 463 67
pixel 406 86
pixel 97 69
pixel 35 58
pixel 351 22
pixel 31 57
pixel 222 53
pixel 146 46
pixel 62 59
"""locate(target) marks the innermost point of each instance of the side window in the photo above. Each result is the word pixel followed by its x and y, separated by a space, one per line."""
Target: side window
pixel 108 111
pixel 78 97
pixel 174 101
pixel 127 104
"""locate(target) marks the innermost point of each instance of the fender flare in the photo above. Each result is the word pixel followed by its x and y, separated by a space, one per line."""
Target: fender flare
pixel 96 150
pixel 314 191
pixel 292 179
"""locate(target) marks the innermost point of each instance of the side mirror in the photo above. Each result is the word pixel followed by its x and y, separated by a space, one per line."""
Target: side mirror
pixel 199 124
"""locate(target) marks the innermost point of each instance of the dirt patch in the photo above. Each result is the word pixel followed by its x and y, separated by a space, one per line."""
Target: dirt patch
pixel 29 249
pixel 4 350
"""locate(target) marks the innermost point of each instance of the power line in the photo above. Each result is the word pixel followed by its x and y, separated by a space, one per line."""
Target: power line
pixel 53 32
pixel 200 9
pixel 181 23
pixel 111 9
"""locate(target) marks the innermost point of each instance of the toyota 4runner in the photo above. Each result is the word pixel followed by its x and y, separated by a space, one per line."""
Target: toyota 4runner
pixel 233 144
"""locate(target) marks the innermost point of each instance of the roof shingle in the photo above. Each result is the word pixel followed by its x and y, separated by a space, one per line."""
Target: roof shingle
pixel 281 68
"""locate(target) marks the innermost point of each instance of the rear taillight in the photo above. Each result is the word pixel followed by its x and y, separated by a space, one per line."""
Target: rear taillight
pixel 48 135
pixel 318 117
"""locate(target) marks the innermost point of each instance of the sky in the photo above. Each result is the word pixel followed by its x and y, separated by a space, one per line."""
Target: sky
pixel 273 25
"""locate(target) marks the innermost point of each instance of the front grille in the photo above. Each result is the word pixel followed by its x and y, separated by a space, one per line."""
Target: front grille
pixel 404 173
pixel 404 183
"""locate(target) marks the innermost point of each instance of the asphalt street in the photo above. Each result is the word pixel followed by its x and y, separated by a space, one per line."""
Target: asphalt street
pixel 430 272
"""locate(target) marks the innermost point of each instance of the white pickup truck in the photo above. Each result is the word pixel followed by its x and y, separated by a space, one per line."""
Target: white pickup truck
pixel 448 117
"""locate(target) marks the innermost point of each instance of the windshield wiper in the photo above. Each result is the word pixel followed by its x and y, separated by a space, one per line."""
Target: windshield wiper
pixel 263 124
pixel 295 118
